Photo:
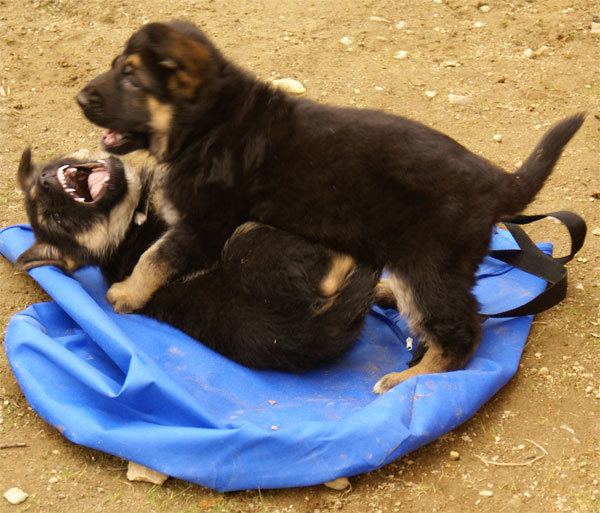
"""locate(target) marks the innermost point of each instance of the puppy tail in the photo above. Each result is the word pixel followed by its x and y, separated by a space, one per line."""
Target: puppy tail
pixel 530 177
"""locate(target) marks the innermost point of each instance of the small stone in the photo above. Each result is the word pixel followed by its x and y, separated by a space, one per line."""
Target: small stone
pixel 543 371
pixel 478 24
pixel 341 483
pixel 486 493
pixel 595 28
pixel 15 495
pixel 431 94
pixel 528 53
pixel 596 232
pixel 589 389
pixel 450 64
pixel 137 472
pixel 346 40
pixel 456 99
pixel 289 85
pixel 401 55
pixel 454 455
pixel 400 24
pixel 485 8
pixel 498 138
pixel 53 480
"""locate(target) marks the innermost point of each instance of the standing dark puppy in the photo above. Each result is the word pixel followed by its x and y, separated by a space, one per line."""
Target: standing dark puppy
pixel 272 301
pixel 386 190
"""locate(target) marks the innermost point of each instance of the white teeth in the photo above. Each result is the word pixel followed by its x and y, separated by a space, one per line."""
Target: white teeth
pixel 69 189
pixel 77 198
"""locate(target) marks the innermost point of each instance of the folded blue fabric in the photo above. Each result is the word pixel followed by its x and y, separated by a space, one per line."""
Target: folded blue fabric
pixel 141 390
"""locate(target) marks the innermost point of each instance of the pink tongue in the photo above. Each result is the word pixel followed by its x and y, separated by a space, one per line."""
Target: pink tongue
pixel 96 182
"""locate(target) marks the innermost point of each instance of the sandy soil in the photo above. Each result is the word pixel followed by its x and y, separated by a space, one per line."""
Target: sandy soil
pixel 523 65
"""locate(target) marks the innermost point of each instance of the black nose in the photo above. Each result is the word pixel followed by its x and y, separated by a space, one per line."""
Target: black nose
pixel 45 178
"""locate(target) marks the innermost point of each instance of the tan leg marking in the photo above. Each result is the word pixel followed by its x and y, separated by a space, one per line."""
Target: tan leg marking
pixel 384 296
pixel 341 265
pixel 135 291
pixel 432 363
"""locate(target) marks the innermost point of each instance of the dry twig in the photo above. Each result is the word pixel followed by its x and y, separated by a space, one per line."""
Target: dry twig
pixel 516 464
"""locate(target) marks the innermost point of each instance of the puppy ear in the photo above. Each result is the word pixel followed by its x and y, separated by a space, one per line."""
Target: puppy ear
pixel 41 253
pixel 26 170
pixel 187 58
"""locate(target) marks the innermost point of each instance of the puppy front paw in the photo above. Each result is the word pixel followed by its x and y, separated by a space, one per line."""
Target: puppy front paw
pixel 124 298
pixel 387 382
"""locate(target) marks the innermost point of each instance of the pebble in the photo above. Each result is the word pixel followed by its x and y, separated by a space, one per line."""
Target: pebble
pixel 486 493
pixel 341 483
pixel 478 24
pixel 498 138
pixel 431 94
pixel 289 85
pixel 543 371
pixel 485 8
pixel 15 495
pixel 346 40
pixel 401 55
pixel 456 99
pixel 137 472
pixel 596 231
pixel 454 455
pixel 595 28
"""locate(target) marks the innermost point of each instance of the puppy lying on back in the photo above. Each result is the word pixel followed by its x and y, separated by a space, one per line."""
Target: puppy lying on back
pixel 272 301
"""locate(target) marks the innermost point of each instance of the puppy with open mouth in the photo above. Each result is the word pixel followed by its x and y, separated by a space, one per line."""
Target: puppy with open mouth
pixel 389 191
pixel 272 300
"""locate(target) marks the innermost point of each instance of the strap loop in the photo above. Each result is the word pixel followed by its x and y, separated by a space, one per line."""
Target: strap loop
pixel 531 259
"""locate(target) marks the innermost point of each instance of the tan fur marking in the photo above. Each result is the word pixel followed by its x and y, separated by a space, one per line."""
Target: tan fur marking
pixel 109 231
pixel 405 301
pixel 161 115
pixel 184 82
pixel 134 60
pixel 334 280
pixel 384 294
pixel 148 275
pixel 433 362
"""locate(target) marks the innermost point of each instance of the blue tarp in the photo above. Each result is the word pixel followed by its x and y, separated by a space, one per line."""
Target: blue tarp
pixel 141 390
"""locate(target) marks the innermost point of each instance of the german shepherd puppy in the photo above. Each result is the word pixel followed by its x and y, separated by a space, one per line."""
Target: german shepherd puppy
pixel 389 191
pixel 271 301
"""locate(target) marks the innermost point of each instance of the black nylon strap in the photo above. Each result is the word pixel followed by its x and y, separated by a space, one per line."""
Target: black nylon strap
pixel 531 259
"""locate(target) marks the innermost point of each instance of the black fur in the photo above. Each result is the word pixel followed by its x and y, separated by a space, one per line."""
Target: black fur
pixel 387 190
pixel 260 305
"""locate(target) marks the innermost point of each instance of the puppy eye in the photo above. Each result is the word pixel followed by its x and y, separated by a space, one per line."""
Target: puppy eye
pixel 56 218
pixel 131 82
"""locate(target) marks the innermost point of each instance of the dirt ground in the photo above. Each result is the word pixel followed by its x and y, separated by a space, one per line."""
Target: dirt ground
pixel 522 65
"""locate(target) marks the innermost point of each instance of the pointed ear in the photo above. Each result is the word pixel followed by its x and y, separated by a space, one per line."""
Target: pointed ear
pixel 187 58
pixel 41 254
pixel 26 170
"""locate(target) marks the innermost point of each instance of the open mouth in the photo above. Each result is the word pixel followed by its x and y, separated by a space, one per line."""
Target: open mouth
pixel 85 183
pixel 121 143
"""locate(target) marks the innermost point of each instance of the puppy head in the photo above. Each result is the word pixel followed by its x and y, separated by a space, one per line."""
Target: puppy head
pixel 79 206
pixel 165 71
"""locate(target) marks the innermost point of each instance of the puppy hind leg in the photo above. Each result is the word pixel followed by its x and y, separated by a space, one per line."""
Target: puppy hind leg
pixel 444 316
